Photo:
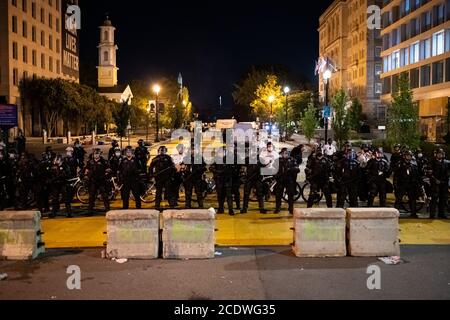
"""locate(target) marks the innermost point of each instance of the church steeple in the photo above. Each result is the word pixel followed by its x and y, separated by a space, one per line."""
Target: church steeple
pixel 107 50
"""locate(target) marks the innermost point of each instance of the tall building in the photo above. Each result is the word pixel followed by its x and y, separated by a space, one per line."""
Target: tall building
pixel 107 67
pixel 355 52
pixel 35 42
pixel 416 41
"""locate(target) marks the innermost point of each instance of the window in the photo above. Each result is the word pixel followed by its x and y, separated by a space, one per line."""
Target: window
pixel 396 59
pixel 377 69
pixel 439 12
pixel 50 64
pixel 387 85
pixel 438 72
pixel 378 50
pixel 414 53
pixel 425 76
pixel 15 52
pixel 15 77
pixel 25 75
pixel 426 49
pixel 414 78
pixel 58 66
pixel 24 5
pixel 25 54
pixel 34 58
pixel 378 88
pixel 426 21
pixel 33 34
pixel 43 38
pixel 50 20
pixel 42 15
pixel 24 29
pixel 57 46
pixel 106 36
pixel 57 5
pixel 33 9
pixel 14 24
pixel 42 61
pixel 14 3
pixel 404 57
pixel 50 42
pixel 447 70
pixel 381 113
pixel 58 24
pixel 105 56
pixel 438 43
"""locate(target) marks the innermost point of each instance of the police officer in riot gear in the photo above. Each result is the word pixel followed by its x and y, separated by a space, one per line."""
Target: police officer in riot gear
pixel 378 171
pixel 6 181
pixel 440 170
pixel 114 161
pixel 223 177
pixel 72 164
pixel 97 170
pixel 162 169
pixel 346 176
pixel 253 181
pixel 286 180
pixel 79 152
pixel 421 161
pixel 129 171
pixel 142 155
pixel 194 169
pixel 25 177
pixel 318 172
pixel 112 150
pixel 408 180
pixel 59 173
pixel 42 189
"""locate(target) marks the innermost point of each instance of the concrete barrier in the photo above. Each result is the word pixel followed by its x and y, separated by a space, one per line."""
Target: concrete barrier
pixel 319 233
pixel 373 232
pixel 189 234
pixel 20 235
pixel 133 234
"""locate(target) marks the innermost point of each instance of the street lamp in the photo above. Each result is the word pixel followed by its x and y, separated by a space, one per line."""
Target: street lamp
pixel 271 100
pixel 149 109
pixel 326 76
pixel 157 90
pixel 286 90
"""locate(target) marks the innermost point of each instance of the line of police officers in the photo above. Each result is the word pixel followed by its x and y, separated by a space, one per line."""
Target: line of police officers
pixel 351 175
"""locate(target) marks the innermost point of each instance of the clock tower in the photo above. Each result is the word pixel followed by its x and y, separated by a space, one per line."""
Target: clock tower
pixel 107 51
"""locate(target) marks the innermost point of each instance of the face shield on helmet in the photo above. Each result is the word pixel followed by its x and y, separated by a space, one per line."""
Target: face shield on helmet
pixel 129 153
pixel 162 150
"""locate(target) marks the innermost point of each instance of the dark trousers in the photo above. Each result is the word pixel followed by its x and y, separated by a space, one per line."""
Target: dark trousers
pixel 24 188
pixel 377 188
pixel 224 192
pixel 175 186
pixel 257 185
pixel 42 193
pixel 411 192
pixel 126 191
pixel 94 190
pixel 289 186
pixel 236 185
pixel 191 185
pixel 163 186
pixel 58 192
pixel 315 189
pixel 349 190
pixel 439 200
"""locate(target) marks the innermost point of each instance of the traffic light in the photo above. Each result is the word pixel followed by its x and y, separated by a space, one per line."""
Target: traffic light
pixel 161 107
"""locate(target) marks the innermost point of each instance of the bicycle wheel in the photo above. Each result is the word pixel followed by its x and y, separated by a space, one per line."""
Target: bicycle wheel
pixel 306 190
pixel 404 205
pixel 149 195
pixel 297 194
pixel 83 194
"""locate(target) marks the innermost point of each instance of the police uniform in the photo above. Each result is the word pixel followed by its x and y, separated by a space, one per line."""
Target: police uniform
pixel 346 176
pixel 162 169
pixel 97 171
pixel 286 180
pixel 378 171
pixel 129 175
pixel 318 172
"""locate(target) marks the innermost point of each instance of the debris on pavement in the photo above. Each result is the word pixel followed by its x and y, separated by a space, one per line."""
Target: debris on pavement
pixel 391 260
pixel 121 261
pixel 3 276
pixel 218 253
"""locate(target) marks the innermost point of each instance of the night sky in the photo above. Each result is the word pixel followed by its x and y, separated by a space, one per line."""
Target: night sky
pixel 210 42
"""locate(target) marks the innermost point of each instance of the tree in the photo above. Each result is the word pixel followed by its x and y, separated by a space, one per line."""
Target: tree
pixel 403 116
pixel 355 115
pixel 341 120
pixel 309 122
pixel 261 105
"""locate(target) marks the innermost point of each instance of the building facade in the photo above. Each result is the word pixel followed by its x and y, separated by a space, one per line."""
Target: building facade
pixel 355 52
pixel 416 41
pixel 35 42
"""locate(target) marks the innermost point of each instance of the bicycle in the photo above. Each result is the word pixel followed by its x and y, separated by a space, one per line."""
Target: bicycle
pixel 269 184
pixel 421 201
pixel 82 189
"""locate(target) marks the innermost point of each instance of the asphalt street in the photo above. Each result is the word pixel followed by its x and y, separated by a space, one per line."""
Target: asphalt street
pixel 239 273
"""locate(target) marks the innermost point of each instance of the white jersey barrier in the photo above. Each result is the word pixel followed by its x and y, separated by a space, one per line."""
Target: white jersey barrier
pixel 133 234
pixel 188 234
pixel 20 235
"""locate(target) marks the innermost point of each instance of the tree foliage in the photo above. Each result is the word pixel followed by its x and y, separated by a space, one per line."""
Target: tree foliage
pixel 355 115
pixel 58 99
pixel 309 122
pixel 261 105
pixel 341 121
pixel 403 116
